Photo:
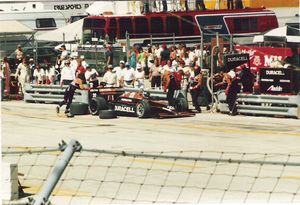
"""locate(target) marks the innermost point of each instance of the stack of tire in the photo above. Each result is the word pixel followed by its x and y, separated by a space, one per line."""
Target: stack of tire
pixel 99 106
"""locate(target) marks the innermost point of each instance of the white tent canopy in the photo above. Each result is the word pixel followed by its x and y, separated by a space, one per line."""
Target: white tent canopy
pixel 282 32
pixel 69 33
pixel 14 27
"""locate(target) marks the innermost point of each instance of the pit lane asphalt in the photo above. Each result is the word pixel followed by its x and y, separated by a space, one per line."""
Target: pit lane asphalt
pixel 30 125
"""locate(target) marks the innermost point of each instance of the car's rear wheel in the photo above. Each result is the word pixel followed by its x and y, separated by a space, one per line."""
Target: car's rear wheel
pixel 181 105
pixel 96 104
pixel 143 109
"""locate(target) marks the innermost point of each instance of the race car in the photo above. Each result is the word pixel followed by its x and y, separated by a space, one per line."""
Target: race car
pixel 142 105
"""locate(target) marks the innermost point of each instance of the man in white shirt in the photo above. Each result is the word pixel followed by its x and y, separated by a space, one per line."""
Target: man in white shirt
pixel 119 70
pixel 39 75
pixel 91 76
pixel 67 74
pixel 64 53
pixel 128 76
pixel 139 76
pixel 109 77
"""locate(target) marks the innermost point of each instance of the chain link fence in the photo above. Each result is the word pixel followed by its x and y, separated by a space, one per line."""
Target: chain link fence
pixel 106 176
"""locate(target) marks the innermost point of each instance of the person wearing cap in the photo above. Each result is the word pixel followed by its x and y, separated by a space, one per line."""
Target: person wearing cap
pixel 231 91
pixel 67 74
pixel 119 70
pixel 128 75
pixel 19 54
pixel 110 78
pixel 76 83
pixel 83 61
pixel 139 76
pixel 91 76
pixel 39 75
pixel 23 74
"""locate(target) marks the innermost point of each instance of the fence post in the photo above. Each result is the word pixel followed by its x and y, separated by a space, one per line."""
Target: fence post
pixel 69 150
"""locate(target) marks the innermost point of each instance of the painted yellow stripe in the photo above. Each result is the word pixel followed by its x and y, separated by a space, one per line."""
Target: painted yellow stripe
pixel 30 149
pixel 198 127
pixel 145 161
pixel 33 189
pixel 291 177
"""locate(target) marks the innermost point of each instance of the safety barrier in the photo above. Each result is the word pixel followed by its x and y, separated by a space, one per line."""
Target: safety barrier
pixel 51 94
pixel 271 105
pixel 55 93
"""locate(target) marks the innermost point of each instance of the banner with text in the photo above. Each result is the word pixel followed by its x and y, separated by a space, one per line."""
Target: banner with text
pixel 262 57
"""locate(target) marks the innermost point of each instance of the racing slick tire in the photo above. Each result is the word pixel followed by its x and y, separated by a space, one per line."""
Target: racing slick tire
pixel 107 114
pixel 143 109
pixel 78 108
pixel 181 105
pixel 96 104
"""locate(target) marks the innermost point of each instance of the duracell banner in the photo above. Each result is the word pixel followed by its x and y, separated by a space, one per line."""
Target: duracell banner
pixel 275 81
pixel 232 61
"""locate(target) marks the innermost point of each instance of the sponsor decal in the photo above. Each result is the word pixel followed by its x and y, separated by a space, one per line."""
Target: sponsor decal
pixel 274 72
pixel 275 88
pixel 71 6
pixel 126 100
pixel 124 108
pixel 210 27
pixel 275 81
pixel 236 59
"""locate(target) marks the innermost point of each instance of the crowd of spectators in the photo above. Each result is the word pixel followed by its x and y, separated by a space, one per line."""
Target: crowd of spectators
pixel 168 68
pixel 183 5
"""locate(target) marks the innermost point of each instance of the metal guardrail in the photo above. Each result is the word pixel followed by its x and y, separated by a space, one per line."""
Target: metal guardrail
pixel 51 94
pixel 270 105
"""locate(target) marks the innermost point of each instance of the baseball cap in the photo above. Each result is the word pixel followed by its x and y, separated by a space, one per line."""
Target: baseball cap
pixel 127 64
pixel 122 62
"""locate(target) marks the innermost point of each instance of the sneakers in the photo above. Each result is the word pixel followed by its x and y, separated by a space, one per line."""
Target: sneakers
pixel 57 109
pixel 67 111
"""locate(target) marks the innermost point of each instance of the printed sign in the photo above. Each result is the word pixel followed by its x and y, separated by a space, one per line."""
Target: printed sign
pixel 275 81
pixel 262 57
pixel 231 61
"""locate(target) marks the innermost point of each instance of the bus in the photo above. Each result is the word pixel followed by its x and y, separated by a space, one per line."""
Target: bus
pixel 181 26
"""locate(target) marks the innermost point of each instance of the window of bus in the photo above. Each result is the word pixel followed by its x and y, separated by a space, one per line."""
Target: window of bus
pixel 172 25
pixel 245 24
pixel 45 23
pixel 93 28
pixel 187 26
pixel 141 25
pixel 125 25
pixel 157 26
pixel 112 29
